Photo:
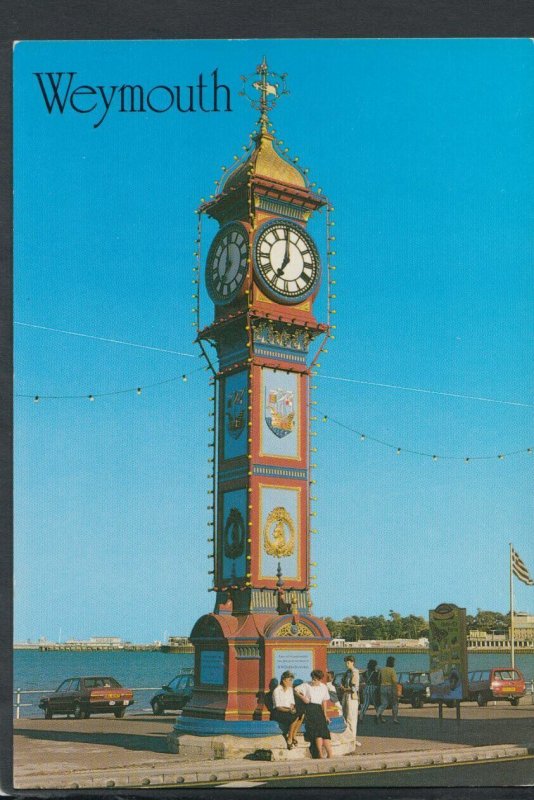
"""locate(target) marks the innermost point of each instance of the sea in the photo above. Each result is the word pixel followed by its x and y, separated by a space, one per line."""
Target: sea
pixel 147 671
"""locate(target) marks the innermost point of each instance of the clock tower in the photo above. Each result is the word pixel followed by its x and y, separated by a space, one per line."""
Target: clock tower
pixel 262 272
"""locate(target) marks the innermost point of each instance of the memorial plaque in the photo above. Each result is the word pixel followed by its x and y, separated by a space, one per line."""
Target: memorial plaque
pixel 212 667
pixel 299 662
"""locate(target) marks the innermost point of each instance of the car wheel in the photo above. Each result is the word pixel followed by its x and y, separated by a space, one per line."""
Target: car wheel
pixel 514 701
pixel 158 708
pixel 48 712
pixel 449 703
pixel 481 700
pixel 78 712
pixel 417 701
pixel 119 713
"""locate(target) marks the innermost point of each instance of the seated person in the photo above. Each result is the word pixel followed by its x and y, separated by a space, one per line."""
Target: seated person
pixel 268 696
pixel 285 711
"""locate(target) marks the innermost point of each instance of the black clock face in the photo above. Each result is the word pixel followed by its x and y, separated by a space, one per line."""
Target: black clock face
pixel 227 263
pixel 286 261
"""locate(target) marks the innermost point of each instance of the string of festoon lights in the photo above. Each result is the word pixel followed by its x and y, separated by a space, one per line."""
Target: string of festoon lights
pixel 92 396
pixel 315 365
pixel 325 418
pixel 434 456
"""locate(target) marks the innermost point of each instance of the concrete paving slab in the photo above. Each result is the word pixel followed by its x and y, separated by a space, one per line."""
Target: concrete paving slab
pixel 62 753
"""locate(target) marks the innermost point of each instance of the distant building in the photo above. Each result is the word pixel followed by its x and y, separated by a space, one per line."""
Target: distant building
pixel 383 643
pixel 502 639
pixel 178 641
pixel 111 640
pixel 523 626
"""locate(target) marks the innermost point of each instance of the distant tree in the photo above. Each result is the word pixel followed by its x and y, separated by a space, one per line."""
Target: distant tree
pixel 354 628
pixel 470 621
pixel 332 626
pixel 375 627
pixel 414 627
pixel 395 626
pixel 490 620
pixel 350 629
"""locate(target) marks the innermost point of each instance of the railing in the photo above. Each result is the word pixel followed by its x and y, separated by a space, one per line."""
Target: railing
pixel 17 705
pixel 18 693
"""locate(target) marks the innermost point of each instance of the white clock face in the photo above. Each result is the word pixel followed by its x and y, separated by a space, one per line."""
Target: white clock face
pixel 286 260
pixel 227 263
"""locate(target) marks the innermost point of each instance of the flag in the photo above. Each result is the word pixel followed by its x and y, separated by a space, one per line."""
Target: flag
pixel 519 569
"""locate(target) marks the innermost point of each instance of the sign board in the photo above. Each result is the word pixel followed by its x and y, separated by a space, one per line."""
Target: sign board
pixel 212 667
pixel 448 653
pixel 299 662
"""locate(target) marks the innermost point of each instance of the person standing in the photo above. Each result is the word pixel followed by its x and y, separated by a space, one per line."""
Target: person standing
pixel 315 697
pixel 371 691
pixel 350 686
pixel 284 709
pixel 388 691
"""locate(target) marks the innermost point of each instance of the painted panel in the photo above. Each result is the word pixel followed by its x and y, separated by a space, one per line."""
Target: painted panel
pixel 299 662
pixel 212 667
pixel 280 418
pixel 280 532
pixel 233 534
pixel 235 413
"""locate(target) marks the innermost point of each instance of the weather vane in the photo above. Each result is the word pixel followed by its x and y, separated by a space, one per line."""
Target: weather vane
pixel 264 82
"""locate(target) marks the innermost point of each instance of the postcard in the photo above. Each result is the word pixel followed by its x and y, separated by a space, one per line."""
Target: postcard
pixel 272 413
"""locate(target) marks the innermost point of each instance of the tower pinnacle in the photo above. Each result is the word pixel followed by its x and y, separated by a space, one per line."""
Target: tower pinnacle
pixel 264 82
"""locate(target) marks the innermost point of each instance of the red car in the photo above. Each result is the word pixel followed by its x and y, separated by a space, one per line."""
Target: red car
pixel 82 697
pixel 499 683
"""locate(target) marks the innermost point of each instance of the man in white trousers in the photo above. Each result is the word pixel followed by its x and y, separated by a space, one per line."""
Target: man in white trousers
pixel 350 685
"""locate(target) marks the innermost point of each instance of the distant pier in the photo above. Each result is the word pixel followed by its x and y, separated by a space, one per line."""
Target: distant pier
pixel 477 642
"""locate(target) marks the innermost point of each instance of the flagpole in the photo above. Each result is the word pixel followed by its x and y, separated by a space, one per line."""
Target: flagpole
pixel 512 633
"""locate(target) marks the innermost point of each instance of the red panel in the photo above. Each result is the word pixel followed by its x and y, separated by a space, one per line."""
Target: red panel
pixel 256 533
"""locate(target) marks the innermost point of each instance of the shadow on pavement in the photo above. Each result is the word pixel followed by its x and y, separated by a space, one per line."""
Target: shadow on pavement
pixel 155 743
pixel 509 730
pixel 423 730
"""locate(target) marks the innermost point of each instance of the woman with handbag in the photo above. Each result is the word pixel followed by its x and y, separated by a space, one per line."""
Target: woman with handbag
pixel 316 697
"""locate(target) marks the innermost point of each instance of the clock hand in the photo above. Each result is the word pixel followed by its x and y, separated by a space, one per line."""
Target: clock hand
pixel 286 258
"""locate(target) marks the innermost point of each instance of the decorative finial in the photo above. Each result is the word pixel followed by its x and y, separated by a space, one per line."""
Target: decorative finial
pixel 279 582
pixel 269 90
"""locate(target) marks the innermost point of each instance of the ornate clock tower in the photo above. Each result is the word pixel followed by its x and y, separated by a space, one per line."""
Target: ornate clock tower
pixel 263 273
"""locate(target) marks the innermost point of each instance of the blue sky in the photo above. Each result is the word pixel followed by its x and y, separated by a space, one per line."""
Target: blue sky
pixel 424 147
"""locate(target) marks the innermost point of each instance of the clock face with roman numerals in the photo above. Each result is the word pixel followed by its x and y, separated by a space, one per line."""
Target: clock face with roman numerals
pixel 227 263
pixel 286 261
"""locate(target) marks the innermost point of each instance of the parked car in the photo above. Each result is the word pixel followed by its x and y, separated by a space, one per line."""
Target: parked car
pixel 415 688
pixel 84 696
pixel 499 683
pixel 174 695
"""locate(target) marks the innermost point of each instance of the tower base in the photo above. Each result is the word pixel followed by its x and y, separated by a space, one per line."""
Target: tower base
pixel 254 746
pixel 238 657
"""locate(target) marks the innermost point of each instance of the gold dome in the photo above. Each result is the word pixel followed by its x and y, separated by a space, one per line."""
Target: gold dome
pixel 267 162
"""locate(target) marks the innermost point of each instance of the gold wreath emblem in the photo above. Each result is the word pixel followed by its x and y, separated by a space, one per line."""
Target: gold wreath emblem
pixel 279 546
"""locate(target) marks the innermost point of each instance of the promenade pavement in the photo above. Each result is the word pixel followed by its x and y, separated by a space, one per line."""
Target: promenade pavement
pixel 105 752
